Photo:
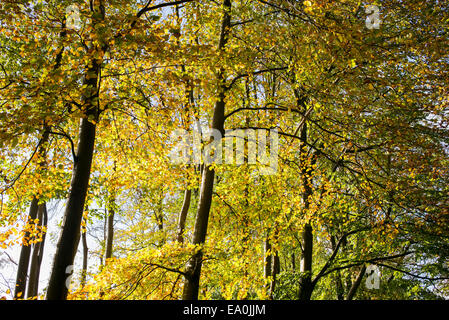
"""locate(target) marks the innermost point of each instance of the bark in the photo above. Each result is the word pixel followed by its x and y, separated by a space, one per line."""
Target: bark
pixel 38 250
pixel 268 259
pixel 159 215
pixel 193 269
pixel 306 284
pixel 70 235
pixel 24 260
pixel 276 268
pixel 110 230
pixel 85 256
pixel 356 284
pixel 68 241
pixel 293 258
pixel 183 215
pixel 22 272
pixel 338 280
pixel 272 263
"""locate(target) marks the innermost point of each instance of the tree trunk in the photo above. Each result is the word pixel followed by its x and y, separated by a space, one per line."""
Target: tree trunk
pixel 36 258
pixel 338 281
pixel 38 248
pixel 293 259
pixel 183 215
pixel 24 260
pixel 85 256
pixel 70 235
pixel 110 231
pixel 356 284
pixel 276 268
pixel 306 285
pixel 268 259
pixel 193 269
pixel 68 242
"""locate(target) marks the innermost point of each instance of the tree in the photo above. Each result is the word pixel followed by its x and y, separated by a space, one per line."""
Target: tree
pixel 131 110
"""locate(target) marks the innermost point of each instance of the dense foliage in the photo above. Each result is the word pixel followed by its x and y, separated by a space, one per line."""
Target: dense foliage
pixel 355 93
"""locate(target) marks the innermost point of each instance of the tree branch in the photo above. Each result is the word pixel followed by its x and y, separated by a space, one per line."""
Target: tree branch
pixel 243 75
pixel 166 268
pixel 334 253
pixel 373 260
pixel 72 145
pixel 411 274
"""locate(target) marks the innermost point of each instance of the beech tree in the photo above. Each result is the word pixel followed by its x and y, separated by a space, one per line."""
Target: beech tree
pixel 349 97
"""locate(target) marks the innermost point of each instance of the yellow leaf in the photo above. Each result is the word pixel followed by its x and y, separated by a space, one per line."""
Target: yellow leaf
pixel 353 63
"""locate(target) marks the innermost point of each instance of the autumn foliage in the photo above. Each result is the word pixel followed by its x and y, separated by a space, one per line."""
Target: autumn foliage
pixel 90 98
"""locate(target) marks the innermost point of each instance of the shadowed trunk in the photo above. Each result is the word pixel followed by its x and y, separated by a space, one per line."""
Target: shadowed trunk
pixel 272 262
pixel 338 280
pixel 34 208
pixel 24 260
pixel 306 285
pixel 38 251
pixel 356 284
pixel 110 230
pixel 193 269
pixel 183 215
pixel 268 259
pixel 70 235
pixel 68 241
pixel 85 256
pixel 276 268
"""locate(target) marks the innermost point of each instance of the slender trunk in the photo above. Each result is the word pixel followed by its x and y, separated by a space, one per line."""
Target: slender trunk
pixel 68 241
pixel 70 235
pixel 293 259
pixel 38 248
pixel 85 255
pixel 268 265
pixel 159 215
pixel 338 281
pixel 306 285
pixel 24 260
pixel 268 259
pixel 193 269
pixel 275 263
pixel 183 215
pixel 276 268
pixel 36 258
pixel 356 284
pixel 110 229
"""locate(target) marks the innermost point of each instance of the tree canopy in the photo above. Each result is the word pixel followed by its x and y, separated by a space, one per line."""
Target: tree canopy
pixel 227 149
